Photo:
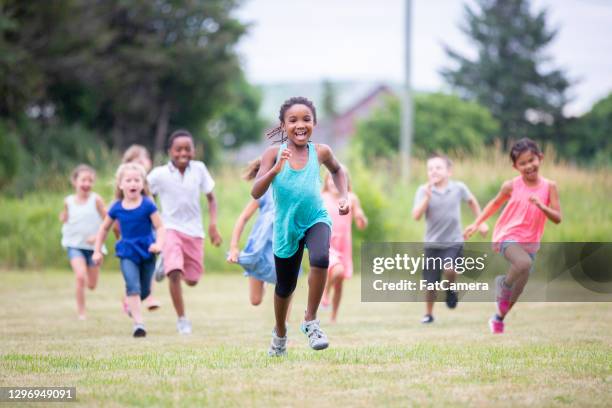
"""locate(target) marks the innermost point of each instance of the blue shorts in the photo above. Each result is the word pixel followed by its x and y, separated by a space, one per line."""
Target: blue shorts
pixel 81 253
pixel 505 244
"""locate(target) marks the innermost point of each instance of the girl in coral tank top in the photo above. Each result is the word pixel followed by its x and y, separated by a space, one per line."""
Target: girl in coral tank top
pixel 531 199
pixel 341 244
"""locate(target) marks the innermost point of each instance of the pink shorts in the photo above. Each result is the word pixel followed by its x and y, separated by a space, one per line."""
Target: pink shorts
pixel 184 253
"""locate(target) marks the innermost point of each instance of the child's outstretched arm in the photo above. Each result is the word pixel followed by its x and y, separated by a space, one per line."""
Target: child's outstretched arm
pixel 326 156
pixel 475 207
pixel 160 233
pixel 552 212
pixel 491 208
pixel 213 232
pixel 360 218
pixel 244 217
pixel 268 169
pixel 100 238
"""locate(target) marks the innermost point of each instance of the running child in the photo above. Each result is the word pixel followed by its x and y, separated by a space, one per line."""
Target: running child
pixel 531 199
pixel 301 219
pixel 81 217
pixel 341 246
pixel 137 216
pixel 139 154
pixel 440 200
pixel 179 185
pixel 257 257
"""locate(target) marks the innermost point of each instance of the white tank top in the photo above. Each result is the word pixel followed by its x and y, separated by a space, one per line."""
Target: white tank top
pixel 83 222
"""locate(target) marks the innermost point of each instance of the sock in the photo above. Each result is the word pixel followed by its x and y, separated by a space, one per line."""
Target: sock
pixel 506 285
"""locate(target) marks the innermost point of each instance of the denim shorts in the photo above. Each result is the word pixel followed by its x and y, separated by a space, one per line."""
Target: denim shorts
pixel 81 253
pixel 137 276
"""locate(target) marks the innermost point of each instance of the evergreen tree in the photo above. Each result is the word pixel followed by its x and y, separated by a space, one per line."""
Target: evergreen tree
pixel 510 74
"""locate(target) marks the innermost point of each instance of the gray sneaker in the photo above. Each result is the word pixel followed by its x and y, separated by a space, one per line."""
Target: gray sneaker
pixel 183 325
pixel 278 346
pixel 316 338
pixel 159 269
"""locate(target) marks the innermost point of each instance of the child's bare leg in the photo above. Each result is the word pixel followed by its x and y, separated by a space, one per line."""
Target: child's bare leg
pixel 134 304
pixel 430 299
pixel 337 272
pixel 92 276
pixel 176 292
pixel 450 275
pixel 316 284
pixel 520 264
pixel 80 273
pixel 335 281
pixel 518 273
pixel 281 309
pixel 151 302
pixel 336 299
pixel 256 291
pixel 517 290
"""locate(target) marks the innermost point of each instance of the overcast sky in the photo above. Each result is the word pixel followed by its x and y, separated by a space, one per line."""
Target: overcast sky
pixel 305 40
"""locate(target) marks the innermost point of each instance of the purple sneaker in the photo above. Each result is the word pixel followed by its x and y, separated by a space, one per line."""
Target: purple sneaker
pixel 496 325
pixel 503 295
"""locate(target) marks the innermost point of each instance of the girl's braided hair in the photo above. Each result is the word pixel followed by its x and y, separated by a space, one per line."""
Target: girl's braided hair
pixel 296 100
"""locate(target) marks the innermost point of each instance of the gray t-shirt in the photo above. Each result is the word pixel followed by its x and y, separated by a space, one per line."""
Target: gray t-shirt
pixel 443 214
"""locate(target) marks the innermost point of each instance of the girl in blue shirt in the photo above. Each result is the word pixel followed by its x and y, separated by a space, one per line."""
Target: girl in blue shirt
pixel 136 215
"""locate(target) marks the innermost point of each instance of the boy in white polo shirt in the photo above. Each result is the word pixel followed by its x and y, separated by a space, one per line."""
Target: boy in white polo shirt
pixel 178 185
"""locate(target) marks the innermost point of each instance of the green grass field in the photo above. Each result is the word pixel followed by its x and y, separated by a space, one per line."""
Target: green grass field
pixel 552 355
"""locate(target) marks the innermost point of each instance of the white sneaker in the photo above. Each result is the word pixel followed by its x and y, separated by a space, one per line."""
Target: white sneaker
pixel 278 346
pixel 159 269
pixel 183 325
pixel 316 338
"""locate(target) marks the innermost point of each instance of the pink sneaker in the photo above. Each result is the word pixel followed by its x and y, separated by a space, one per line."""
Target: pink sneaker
pixel 503 295
pixel 496 325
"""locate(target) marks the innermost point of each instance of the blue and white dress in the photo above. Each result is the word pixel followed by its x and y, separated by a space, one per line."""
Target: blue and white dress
pixel 257 257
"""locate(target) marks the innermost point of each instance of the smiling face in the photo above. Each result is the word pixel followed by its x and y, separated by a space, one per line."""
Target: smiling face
pixel 528 164
pixel 438 170
pixel 181 152
pixel 83 182
pixel 298 123
pixel 131 184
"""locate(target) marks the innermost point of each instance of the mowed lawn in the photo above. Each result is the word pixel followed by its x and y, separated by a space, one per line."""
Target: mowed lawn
pixel 380 355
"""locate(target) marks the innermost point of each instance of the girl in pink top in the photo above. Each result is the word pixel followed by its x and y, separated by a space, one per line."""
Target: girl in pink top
pixel 341 243
pixel 531 200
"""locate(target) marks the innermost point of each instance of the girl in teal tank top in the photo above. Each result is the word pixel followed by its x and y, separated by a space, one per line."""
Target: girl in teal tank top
pixel 299 206
pixel 301 217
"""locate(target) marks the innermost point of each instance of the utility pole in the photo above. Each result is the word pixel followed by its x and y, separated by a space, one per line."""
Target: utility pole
pixel 407 111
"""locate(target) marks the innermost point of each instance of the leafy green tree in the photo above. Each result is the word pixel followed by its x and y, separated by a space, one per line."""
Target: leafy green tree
pixel 9 155
pixel 239 121
pixel 441 123
pixel 590 135
pixel 510 74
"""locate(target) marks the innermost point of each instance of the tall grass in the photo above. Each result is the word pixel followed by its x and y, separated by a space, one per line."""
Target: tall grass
pixel 30 229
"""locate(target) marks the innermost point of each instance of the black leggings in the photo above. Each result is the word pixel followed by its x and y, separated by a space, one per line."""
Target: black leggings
pixel 316 240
